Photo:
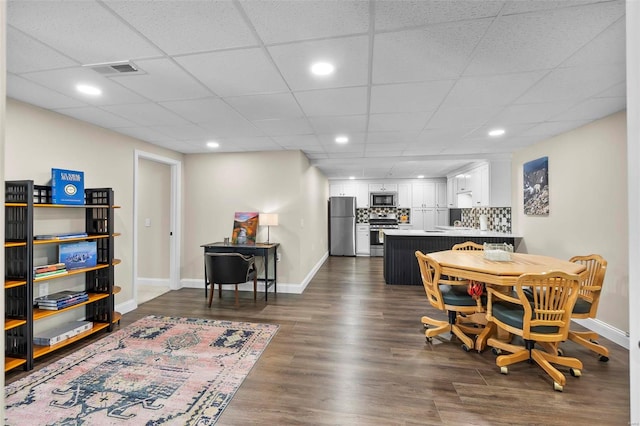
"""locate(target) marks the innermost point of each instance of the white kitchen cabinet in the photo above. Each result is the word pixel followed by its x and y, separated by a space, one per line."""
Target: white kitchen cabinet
pixel 405 227
pixel 423 195
pixel 342 189
pixel 489 184
pixel 463 182
pixel 383 187
pixel 362 195
pixel 362 240
pixel 452 197
pixel 404 195
pixel 423 218
pixel 442 217
pixel 441 195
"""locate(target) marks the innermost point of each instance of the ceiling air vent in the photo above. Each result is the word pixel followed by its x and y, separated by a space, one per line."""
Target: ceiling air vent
pixel 113 68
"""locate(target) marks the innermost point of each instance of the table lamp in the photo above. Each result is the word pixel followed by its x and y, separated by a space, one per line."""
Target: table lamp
pixel 268 220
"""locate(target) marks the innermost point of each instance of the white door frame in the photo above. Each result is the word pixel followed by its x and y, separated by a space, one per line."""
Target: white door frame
pixel 174 219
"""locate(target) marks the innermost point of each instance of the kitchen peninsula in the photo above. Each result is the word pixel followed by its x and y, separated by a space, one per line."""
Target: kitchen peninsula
pixel 400 265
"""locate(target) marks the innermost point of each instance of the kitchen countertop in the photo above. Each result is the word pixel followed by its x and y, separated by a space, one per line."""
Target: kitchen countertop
pixel 465 232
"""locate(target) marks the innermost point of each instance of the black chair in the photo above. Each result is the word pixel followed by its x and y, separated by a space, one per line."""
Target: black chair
pixel 230 269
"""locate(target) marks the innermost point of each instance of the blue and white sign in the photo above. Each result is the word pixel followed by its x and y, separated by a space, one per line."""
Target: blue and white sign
pixel 67 186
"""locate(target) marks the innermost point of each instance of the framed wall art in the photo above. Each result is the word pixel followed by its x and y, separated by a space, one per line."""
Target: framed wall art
pixel 536 187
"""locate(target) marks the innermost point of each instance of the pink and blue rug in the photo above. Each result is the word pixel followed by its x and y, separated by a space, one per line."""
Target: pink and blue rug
pixel 158 370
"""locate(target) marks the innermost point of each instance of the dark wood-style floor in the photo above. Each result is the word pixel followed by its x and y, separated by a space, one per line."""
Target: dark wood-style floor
pixel 351 351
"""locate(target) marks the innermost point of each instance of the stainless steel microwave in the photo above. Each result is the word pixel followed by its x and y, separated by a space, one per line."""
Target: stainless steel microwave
pixel 383 199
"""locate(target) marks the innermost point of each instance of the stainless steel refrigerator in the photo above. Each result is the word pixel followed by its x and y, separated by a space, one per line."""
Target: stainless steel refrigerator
pixel 342 226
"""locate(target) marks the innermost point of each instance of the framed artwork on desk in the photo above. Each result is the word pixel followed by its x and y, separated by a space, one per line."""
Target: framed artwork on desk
pixel 245 228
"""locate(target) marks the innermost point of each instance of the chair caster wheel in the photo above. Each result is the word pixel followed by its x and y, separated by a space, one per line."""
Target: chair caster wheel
pixel 560 352
pixel 575 372
pixel 496 351
pixel 504 370
pixel 429 339
pixel 603 358
pixel 557 387
pixel 426 326
pixel 465 348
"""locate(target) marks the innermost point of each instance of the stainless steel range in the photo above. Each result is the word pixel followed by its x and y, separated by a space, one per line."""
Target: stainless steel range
pixel 377 224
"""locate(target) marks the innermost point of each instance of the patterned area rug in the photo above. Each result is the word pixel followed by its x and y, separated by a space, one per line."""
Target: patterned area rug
pixel 158 370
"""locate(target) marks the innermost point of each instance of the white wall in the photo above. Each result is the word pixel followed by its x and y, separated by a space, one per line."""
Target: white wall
pixel 37 140
pixel 218 185
pixel 587 204
pixel 3 96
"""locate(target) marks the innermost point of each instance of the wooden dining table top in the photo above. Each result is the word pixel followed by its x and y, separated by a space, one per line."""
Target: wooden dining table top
pixel 471 265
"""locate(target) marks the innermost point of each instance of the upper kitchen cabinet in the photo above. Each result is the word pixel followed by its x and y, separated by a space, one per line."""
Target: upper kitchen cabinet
pixel 423 195
pixel 404 195
pixel 452 197
pixel 383 187
pixel 441 194
pixel 342 189
pixel 362 195
pixel 489 184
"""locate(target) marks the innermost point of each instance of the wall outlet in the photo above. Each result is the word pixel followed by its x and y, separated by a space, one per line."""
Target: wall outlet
pixel 43 289
pixel 147 222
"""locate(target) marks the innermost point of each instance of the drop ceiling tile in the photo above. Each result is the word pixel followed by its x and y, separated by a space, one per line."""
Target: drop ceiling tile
pixel 237 127
pixel 552 128
pixel 146 114
pixel 347 101
pixel 30 92
pixel 540 40
pixel 250 144
pixel 206 110
pixel 617 90
pixel 161 80
pixel 432 53
pixel 530 113
pixel 235 72
pixel 516 7
pixel 604 49
pixel 147 134
pixel 187 27
pixel 575 83
pixel 262 107
pixel 284 21
pixel 339 124
pixel 393 14
pixel 330 139
pixel 391 138
pixel 388 148
pixel 482 132
pixel 490 90
pixel 97 116
pixel 593 109
pixel 185 132
pixel 407 121
pixel 349 55
pixel 333 148
pixel 444 135
pixel 467 117
pixel 25 54
pixel 83 30
pixel 283 127
pixel 65 80
pixel 409 97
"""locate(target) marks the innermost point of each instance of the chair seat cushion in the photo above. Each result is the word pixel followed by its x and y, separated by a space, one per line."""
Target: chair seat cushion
pixel 456 295
pixel 513 315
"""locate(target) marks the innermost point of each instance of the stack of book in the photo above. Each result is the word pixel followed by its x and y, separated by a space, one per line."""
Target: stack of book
pixel 49 270
pixel 66 236
pixel 61 299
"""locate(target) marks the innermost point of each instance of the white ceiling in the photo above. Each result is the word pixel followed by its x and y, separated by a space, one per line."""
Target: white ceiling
pixel 418 84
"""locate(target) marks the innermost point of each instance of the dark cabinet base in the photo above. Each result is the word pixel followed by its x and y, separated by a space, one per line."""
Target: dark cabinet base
pixel 400 263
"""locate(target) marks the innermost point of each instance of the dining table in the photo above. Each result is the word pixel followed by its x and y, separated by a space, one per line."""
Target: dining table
pixel 472 265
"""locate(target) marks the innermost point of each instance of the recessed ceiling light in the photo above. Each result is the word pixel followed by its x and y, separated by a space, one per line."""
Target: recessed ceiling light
pixel 88 90
pixel 352 177
pixel 420 176
pixel 496 132
pixel 342 139
pixel 322 68
pixel 213 144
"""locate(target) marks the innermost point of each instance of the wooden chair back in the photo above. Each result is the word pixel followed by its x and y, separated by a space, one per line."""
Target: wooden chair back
pixel 591 285
pixel 430 273
pixel 468 245
pixel 551 299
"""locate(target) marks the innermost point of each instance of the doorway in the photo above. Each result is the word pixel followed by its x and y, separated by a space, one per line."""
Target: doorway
pixel 156 226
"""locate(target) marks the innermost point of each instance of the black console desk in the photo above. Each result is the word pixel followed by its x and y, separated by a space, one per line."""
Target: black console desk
pixel 266 250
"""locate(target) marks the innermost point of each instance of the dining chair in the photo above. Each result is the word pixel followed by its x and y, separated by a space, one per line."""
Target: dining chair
pixel 468 245
pixel 448 296
pixel 230 269
pixel 542 315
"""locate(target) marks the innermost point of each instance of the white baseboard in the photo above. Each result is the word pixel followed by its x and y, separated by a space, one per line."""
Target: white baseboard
pixel 291 288
pixel 126 307
pixel 617 336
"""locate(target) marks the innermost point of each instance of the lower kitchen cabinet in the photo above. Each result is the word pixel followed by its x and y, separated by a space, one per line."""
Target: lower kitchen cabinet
pixel 362 240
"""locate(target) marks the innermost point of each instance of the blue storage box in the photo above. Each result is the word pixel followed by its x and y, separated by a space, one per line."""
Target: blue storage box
pixel 78 255
pixel 67 187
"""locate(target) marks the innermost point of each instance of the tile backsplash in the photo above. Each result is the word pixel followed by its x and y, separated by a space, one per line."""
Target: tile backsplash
pixel 362 215
pixel 498 218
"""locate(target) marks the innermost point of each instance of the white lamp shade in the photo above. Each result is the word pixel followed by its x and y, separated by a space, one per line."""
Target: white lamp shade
pixel 268 219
